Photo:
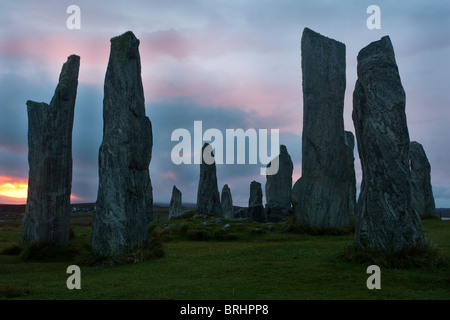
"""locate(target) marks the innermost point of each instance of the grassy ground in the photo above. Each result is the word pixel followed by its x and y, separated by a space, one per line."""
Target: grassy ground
pixel 244 260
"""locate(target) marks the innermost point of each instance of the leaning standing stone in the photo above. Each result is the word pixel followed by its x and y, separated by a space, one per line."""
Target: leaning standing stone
pixel 124 202
pixel 47 214
pixel 386 219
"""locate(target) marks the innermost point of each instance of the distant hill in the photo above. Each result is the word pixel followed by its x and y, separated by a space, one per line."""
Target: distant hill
pixel 444 212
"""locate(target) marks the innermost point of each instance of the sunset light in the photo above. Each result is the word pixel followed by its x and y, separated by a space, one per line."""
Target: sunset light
pixel 14 190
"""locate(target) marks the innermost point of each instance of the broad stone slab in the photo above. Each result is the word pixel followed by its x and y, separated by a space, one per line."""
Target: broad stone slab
pixel 124 202
pixel 320 198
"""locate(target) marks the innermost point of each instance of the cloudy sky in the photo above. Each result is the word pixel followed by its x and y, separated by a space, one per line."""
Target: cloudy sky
pixel 231 64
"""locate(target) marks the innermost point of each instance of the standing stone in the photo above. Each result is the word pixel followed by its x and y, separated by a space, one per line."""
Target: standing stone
pixel 386 219
pixel 227 203
pixel 278 188
pixel 255 207
pixel 175 204
pixel 208 199
pixel 349 140
pixel 320 197
pixel 421 190
pixel 47 214
pixel 124 202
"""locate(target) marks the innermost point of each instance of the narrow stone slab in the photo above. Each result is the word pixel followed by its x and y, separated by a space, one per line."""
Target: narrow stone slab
pixel 175 204
pixel 47 214
pixel 421 190
pixel 227 203
pixel 278 188
pixel 208 199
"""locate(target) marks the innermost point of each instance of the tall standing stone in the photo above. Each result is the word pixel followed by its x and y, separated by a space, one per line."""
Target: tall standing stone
pixel 421 190
pixel 255 207
pixel 278 188
pixel 47 214
pixel 386 219
pixel 349 140
pixel 320 197
pixel 208 199
pixel 227 203
pixel 175 204
pixel 124 202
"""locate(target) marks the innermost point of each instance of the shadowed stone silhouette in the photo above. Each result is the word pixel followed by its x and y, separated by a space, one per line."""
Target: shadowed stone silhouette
pixel 320 198
pixel 386 219
pixel 124 202
pixel 208 199
pixel 278 188
pixel 175 204
pixel 227 203
pixel 47 214
pixel 421 191
pixel 255 210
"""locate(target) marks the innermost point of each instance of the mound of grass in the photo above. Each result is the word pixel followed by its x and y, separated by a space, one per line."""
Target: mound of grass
pixel 153 250
pixel 13 250
pixel 425 257
pixel 291 226
pixel 14 291
pixel 47 251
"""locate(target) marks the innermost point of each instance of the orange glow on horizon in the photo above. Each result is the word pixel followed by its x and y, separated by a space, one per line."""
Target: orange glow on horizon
pixel 14 190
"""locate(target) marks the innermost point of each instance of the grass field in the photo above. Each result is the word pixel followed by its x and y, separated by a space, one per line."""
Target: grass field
pixel 208 260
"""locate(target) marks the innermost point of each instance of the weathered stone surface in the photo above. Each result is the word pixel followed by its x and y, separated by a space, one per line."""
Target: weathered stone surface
pixel 47 214
pixel 227 203
pixel 175 204
pixel 320 197
pixel 208 199
pixel 255 209
pixel 124 202
pixel 255 194
pixel 421 190
pixel 349 140
pixel 386 219
pixel 278 188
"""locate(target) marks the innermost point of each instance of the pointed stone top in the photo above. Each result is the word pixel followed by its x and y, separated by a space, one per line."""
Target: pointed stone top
pixel 378 50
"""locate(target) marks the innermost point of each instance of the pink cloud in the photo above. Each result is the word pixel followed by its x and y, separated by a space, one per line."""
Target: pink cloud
pixel 170 175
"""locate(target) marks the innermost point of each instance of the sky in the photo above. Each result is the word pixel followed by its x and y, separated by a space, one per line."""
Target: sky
pixel 230 64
